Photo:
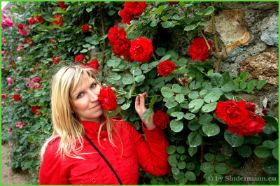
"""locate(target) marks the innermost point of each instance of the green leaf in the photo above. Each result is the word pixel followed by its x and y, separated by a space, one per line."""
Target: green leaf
pixel 210 10
pixel 190 27
pixel 244 76
pixel 269 144
pixel 213 96
pixel 207 167
pixel 193 125
pixel 181 165
pixel 209 157
pixel 169 24
pixel 194 85
pixel 189 175
pixel 228 87
pixel 233 139
pixel 262 152
pixel 251 85
pixel 140 78
pixel 194 139
pixel 172 160
pixel 271 125
pixel 175 170
pixel 165 57
pixel 275 153
pixel 209 107
pixel 211 129
pixel 176 88
pixel 192 151
pixel 171 149
pixel 84 51
pixel 193 95
pixel 203 92
pixel 178 115
pixel 125 106
pixel 171 104
pixel 189 116
pixel 135 71
pixel 260 84
pixel 195 105
pixel 180 98
pixel 159 10
pixel 245 151
pixel 114 77
pixel 166 92
pixel 113 63
pixel 221 168
pixel 160 51
pixel 205 119
pixel 127 79
pixel 176 126
pixel 181 149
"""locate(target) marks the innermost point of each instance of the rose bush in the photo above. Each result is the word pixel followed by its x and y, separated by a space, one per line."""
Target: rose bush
pixel 211 129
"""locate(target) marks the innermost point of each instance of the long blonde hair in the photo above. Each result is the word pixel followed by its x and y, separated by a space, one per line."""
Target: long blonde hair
pixel 65 124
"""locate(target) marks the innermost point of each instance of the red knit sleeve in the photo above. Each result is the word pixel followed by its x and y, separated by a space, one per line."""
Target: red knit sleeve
pixel 152 154
pixel 51 170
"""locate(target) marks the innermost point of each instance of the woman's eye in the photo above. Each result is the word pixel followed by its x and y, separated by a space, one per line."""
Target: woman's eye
pixel 80 95
pixel 93 85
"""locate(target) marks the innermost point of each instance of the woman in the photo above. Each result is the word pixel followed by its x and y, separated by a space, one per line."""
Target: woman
pixel 87 147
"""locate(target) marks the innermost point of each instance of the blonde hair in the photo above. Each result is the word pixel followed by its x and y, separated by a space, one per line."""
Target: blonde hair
pixel 66 125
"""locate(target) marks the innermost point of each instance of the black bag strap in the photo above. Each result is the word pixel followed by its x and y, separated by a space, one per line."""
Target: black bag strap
pixel 112 169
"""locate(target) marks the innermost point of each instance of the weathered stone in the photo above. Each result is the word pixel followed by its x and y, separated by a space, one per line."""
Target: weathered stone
pixel 269 30
pixel 231 27
pixel 251 5
pixel 263 66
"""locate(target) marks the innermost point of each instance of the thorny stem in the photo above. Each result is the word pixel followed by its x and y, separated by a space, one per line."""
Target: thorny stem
pixel 104 42
pixel 214 31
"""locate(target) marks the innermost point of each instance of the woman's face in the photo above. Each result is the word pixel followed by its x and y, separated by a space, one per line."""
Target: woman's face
pixel 84 100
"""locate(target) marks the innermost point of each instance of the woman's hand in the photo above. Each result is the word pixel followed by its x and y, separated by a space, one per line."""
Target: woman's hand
pixel 140 109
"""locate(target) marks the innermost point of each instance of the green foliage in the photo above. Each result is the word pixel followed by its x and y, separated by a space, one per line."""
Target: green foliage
pixel 201 148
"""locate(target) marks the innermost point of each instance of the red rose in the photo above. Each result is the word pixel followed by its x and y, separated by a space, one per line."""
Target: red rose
pixel 28 41
pixel 16 97
pixel 251 106
pixel 52 40
pixel 55 60
pixel 232 112
pixel 4 96
pixel 39 19
pixel 253 126
pixel 116 35
pixel 85 28
pixel 93 64
pixel 79 58
pixel 126 16
pixel 20 26
pixel 198 49
pixel 61 4
pixel 161 119
pixel 120 43
pixel 31 21
pixel 35 83
pixel 141 49
pixel 165 68
pixel 122 49
pixel 132 9
pixel 107 98
pixel 35 110
pixel 58 20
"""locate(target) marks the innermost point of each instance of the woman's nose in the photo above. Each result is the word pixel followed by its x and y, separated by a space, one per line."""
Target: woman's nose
pixel 93 96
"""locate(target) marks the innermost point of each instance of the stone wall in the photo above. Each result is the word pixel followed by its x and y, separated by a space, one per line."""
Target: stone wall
pixel 249 32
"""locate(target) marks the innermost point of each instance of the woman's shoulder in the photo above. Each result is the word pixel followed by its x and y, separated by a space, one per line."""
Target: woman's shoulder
pixel 119 122
pixel 52 145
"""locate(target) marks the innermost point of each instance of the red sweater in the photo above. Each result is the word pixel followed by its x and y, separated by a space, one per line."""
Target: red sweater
pixel 150 154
